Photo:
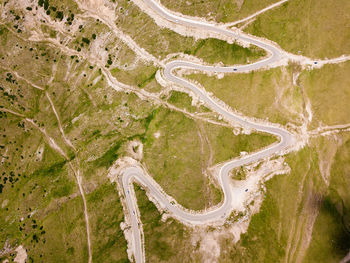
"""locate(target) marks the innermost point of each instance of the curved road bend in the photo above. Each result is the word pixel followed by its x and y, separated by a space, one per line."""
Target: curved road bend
pixel 136 173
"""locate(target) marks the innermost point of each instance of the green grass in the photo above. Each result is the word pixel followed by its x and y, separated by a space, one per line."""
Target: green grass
pixel 330 238
pixel 161 41
pixel 164 241
pixel 225 145
pixel 100 122
pixel 97 120
pixel 109 157
pixel 267 236
pixel 220 11
pixel 42 188
pixel 280 230
pixel 278 208
pixel 214 50
pixel 108 243
pixel 185 148
pixel 328 91
pixel 263 94
pixel 239 174
pixel 142 76
pixel 65 235
pixel 174 159
pixel 183 101
pixel 317 29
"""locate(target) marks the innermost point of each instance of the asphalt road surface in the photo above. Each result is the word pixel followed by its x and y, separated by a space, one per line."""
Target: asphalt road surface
pixel 135 173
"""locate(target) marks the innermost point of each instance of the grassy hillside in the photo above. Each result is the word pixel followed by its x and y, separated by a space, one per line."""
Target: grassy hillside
pixel 328 90
pixel 219 11
pixel 163 240
pixel 318 29
pixel 331 235
pixel 262 94
pixel 179 150
pixel 161 41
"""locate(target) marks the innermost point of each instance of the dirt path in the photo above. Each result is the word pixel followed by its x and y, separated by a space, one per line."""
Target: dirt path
pixel 198 28
pixel 255 14
pixel 68 142
pixel 22 78
pixel 94 9
pixel 75 171
pixel 329 130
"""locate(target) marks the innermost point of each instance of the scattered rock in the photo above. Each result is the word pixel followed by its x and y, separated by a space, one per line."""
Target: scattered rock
pixel 21 255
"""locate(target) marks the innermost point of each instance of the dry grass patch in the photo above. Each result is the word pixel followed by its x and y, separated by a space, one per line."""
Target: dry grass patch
pixel 162 41
pixel 263 94
pixel 219 11
pixel 164 240
pixel 178 151
pixel 317 29
pixel 328 90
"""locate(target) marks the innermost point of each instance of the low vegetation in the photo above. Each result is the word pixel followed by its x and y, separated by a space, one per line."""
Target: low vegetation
pixel 219 11
pixel 329 94
pixel 162 42
pixel 173 155
pixel 179 150
pixel 317 29
pixel 41 204
pixel 37 183
pixel 142 76
pixel 41 207
pixel 108 239
pixel 225 145
pixel 214 50
pixel 263 94
pixel 272 233
pixel 183 101
pixel 312 226
pixel 331 234
pixel 164 241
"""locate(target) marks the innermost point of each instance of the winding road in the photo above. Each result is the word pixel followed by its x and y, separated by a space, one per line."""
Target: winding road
pixel 135 173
